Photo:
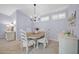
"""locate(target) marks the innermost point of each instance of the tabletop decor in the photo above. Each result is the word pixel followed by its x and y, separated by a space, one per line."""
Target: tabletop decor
pixel 36 30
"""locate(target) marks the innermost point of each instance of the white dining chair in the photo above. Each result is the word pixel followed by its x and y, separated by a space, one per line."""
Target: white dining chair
pixel 43 40
pixel 26 42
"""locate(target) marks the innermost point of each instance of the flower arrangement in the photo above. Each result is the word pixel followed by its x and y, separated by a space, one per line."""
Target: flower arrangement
pixel 37 29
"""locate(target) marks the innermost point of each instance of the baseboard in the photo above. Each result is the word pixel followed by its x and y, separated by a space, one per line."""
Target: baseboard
pixel 53 39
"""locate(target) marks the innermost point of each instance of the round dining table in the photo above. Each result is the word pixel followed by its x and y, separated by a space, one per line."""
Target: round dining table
pixel 35 36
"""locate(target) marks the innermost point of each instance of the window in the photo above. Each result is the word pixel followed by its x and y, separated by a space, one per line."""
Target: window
pixel 46 18
pixel 59 16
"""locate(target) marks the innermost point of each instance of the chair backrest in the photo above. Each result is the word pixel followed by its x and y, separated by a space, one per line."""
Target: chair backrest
pixel 24 38
pixel 45 36
pixel 23 35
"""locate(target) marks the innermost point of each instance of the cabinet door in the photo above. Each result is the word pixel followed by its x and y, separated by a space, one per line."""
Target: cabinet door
pixel 68 46
pixel 10 35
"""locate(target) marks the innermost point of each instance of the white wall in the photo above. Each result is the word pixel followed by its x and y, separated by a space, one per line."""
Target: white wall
pixel 22 22
pixel 53 27
pixel 2 31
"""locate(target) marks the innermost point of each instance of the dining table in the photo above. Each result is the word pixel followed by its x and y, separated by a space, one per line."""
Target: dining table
pixel 35 36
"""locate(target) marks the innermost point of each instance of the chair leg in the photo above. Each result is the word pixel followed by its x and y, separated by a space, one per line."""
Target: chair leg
pixel 34 45
pixel 26 50
pixel 44 45
pixel 37 45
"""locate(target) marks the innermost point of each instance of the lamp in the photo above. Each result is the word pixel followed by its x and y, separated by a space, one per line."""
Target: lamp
pixel 10 27
pixel 72 20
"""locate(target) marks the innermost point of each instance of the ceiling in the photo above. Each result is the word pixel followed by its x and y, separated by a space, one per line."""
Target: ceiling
pixel 28 9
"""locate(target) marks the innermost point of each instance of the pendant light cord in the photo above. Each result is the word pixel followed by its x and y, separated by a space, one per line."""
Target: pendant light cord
pixel 34 12
pixel 34 9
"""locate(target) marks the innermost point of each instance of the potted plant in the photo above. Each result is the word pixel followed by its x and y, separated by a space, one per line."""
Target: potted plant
pixel 67 33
